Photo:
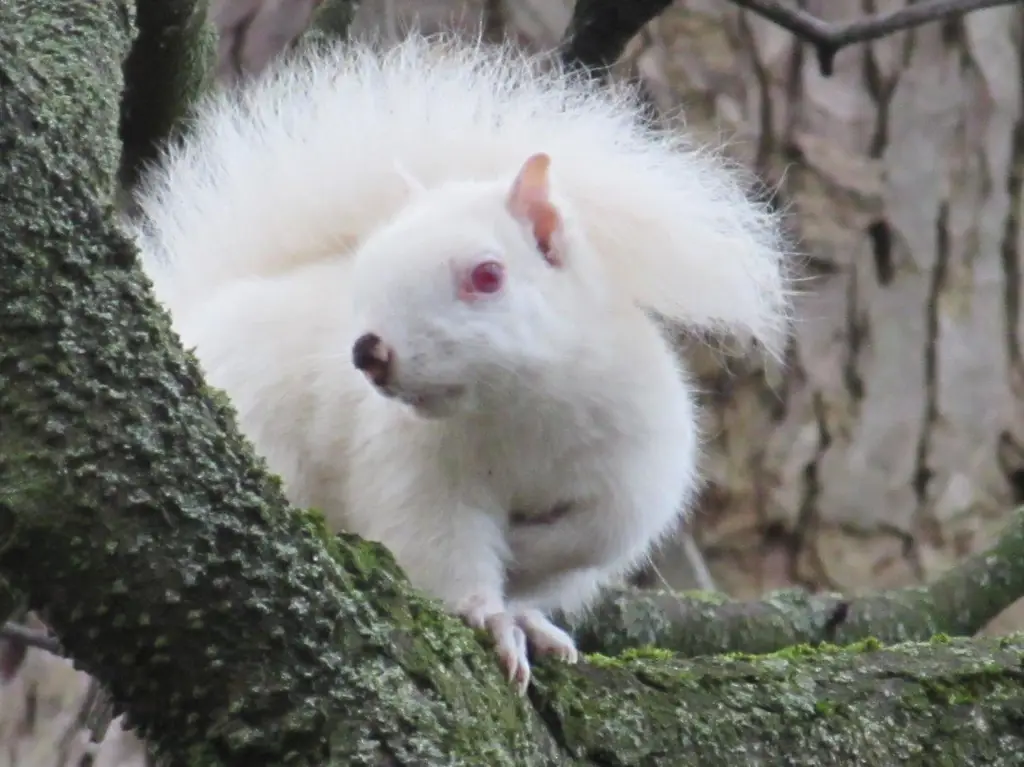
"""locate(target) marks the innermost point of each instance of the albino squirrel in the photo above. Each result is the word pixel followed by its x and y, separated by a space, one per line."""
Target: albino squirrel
pixel 423 277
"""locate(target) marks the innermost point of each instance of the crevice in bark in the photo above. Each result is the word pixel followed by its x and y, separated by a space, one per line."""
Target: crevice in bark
pixel 857 332
pixel 835 620
pixel 952 30
pixel 879 232
pixel 765 136
pixel 880 235
pixel 1010 456
pixel 807 517
pixel 547 714
pixel 1011 256
pixel 922 473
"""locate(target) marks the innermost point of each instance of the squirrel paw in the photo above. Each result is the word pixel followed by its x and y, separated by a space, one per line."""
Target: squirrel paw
pixel 509 638
pixel 545 637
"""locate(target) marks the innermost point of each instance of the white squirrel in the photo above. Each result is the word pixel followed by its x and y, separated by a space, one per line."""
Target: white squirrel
pixel 423 277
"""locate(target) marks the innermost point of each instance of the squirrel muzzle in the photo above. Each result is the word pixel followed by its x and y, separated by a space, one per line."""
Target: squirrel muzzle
pixel 372 356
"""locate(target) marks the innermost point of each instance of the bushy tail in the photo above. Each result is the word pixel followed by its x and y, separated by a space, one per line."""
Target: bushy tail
pixel 682 238
pixel 306 161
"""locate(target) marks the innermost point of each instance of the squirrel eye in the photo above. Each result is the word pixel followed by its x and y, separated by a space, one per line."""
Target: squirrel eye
pixel 487 277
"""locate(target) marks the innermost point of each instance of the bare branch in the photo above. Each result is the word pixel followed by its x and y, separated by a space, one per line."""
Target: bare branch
pixel 27 637
pixel 829 37
pixel 600 29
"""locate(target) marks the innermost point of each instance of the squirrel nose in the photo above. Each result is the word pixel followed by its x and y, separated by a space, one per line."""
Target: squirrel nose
pixel 371 355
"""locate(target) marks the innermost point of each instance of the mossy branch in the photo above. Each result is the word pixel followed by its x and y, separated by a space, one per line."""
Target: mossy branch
pixel 959 603
pixel 946 702
pixel 235 630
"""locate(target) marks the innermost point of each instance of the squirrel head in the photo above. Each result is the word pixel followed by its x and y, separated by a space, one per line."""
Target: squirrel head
pixel 470 292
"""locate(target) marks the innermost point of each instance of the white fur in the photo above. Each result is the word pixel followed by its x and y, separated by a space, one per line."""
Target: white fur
pixel 334 197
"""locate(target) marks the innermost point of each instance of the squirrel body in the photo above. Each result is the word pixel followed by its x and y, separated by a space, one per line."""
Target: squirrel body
pixel 423 277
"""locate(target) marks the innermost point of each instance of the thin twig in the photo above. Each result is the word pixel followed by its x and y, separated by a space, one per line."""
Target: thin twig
pixel 829 37
pixel 701 573
pixel 600 29
pixel 15 632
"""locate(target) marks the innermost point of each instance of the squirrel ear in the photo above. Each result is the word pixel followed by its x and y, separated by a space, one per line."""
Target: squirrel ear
pixel 529 201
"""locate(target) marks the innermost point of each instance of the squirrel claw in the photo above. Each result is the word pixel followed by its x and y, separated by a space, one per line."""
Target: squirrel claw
pixel 510 642
pixel 545 637
pixel 509 638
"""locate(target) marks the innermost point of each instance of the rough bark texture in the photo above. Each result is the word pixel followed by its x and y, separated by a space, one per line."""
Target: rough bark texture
pixel 233 628
pixel 915 705
pixel 961 602
pixel 132 509
pixel 891 446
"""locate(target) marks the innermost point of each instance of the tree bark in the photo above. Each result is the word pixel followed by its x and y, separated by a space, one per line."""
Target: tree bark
pixel 960 602
pixel 135 512
pixel 890 446
pixel 234 629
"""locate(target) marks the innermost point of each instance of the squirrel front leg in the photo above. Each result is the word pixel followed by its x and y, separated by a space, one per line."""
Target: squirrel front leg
pixel 456 552
pixel 462 562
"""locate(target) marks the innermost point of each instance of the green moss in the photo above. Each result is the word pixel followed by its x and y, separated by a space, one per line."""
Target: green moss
pixel 905 705
pixel 598 660
pixel 138 513
pixel 868 644
pixel 825 707
pixel 800 651
pixel 706 597
pixel 646 653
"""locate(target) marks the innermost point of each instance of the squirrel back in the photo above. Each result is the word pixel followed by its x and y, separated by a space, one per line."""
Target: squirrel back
pixel 329 144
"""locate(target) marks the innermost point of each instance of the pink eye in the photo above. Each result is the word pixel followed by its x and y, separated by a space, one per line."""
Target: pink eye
pixel 486 277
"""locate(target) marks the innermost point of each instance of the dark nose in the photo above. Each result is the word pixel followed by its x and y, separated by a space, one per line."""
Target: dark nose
pixel 373 357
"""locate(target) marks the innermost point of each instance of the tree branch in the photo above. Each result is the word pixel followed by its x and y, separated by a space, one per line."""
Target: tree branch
pixel 954 702
pixel 27 637
pixel 234 629
pixel 600 29
pixel 828 38
pixel 959 603
pixel 165 71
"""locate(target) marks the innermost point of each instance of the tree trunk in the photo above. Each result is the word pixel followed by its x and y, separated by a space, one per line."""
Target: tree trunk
pixel 892 444
pixel 233 628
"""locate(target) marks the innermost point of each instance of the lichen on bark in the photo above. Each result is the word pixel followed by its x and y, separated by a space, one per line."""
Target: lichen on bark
pixel 944 702
pixel 960 603
pixel 165 553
